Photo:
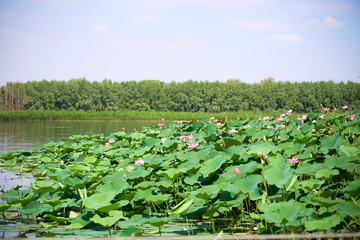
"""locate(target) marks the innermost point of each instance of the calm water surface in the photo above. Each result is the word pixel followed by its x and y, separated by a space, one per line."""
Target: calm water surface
pixel 24 136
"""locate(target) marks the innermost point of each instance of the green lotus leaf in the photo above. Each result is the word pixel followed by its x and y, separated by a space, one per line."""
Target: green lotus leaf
pixel 336 161
pixel 149 141
pixel 191 179
pixel 182 207
pixel 264 148
pixel 323 224
pixel 82 221
pixel 4 206
pixel 350 151
pixel 149 196
pixel 130 232
pixel 207 192
pixel 284 212
pixel 309 168
pixel 278 176
pixel 116 205
pixel 137 135
pixel 114 216
pixel 352 188
pixel 310 184
pixel 166 132
pixel 331 142
pixel 99 200
pixel 35 209
pixel 326 173
pixel 211 165
pixel 158 222
pixel 57 218
pixel 45 186
pixel 345 208
pixel 248 184
pixel 172 173
pixel 79 168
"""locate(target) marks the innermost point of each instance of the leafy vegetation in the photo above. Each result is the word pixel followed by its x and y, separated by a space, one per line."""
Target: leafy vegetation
pixel 125 115
pixel 189 96
pixel 267 175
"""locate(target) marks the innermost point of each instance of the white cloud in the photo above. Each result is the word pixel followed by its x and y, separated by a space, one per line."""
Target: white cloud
pixel 329 21
pixel 145 18
pixel 314 21
pixel 258 25
pixel 287 38
pixel 104 28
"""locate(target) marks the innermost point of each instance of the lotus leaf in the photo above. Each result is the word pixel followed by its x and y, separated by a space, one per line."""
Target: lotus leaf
pixel 114 216
pixel 326 173
pixel 323 224
pixel 99 200
pixel 278 176
pixel 284 212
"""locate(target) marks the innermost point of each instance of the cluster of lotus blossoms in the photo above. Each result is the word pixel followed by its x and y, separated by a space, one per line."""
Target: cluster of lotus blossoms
pixel 111 140
pixel 184 137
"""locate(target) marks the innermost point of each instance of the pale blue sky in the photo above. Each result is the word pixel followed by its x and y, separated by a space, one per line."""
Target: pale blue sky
pixel 309 40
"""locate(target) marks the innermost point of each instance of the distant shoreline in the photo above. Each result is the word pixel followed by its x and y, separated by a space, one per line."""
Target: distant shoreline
pixel 127 116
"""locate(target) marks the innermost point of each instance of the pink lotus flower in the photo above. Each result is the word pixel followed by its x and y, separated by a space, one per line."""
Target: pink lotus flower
pixel 157 132
pixel 298 127
pixel 94 139
pixel 179 122
pixel 181 137
pixel 303 118
pixel 282 115
pixel 212 118
pixel 192 145
pixel 219 125
pixel 293 160
pixel 345 107
pixel 265 118
pixel 160 125
pixel 111 140
pixel 163 140
pixel 246 127
pixel 266 158
pixel 280 126
pixel 326 109
pixel 139 162
pixel 145 130
pixel 351 117
pixel 279 119
pixel 289 112
pixel 236 171
pixel 106 144
pixel 270 127
pixel 231 131
pixel 189 137
pixel 322 116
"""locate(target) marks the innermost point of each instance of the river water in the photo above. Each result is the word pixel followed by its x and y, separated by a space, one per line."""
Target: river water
pixel 24 136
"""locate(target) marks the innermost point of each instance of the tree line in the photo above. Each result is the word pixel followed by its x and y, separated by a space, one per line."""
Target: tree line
pixel 188 96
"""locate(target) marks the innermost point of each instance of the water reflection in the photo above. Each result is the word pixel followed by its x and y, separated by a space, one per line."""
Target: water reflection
pixel 24 136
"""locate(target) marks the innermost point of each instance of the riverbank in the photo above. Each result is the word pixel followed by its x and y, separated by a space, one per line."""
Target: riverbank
pixel 126 115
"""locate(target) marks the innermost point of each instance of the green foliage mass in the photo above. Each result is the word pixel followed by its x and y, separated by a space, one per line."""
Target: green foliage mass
pixel 188 173
pixel 188 96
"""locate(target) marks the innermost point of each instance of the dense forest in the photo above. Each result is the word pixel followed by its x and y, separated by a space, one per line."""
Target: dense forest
pixel 188 96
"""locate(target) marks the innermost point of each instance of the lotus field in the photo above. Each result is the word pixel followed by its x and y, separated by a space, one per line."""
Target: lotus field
pixel 283 174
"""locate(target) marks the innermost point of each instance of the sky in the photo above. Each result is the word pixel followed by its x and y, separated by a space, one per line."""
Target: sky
pixel 179 40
